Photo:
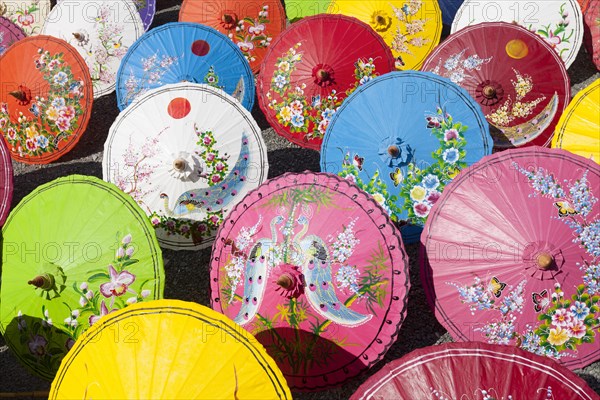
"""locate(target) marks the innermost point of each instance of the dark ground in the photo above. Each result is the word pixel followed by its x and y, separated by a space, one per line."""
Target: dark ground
pixel 187 272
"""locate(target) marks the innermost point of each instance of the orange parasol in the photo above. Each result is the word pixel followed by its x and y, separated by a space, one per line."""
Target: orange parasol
pixel 45 99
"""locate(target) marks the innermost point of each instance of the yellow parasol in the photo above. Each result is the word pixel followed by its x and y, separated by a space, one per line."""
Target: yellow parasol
pixel 411 28
pixel 578 127
pixel 168 349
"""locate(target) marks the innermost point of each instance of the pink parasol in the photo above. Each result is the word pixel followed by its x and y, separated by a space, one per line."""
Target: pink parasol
pixel 312 266
pixel 6 182
pixel 511 254
pixel 473 371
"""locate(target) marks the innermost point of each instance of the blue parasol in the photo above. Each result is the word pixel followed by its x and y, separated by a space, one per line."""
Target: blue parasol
pixel 402 137
pixel 180 52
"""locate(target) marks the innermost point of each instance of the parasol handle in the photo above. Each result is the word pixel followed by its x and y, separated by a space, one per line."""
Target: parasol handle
pixel 393 151
pixel 228 19
pixel 544 261
pixel 44 281
pixel 489 91
pixel 179 164
pixel 285 281
pixel 16 395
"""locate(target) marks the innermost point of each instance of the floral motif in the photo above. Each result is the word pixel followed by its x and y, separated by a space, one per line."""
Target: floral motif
pixel 565 322
pixel 459 68
pixel 251 33
pixel 198 231
pixel 154 68
pixel 107 50
pixel 52 120
pixel 375 186
pixel 212 79
pixel 294 110
pixel 26 16
pixel 216 166
pixel 48 340
pixel 509 111
pixel 422 187
pixel 557 34
pixel 116 283
pixel 410 27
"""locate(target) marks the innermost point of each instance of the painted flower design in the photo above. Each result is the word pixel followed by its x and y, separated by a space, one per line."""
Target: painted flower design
pixel 103 311
pixel 422 187
pixel 154 68
pixel 52 119
pixel 558 34
pixel 119 282
pixel 296 111
pixel 410 29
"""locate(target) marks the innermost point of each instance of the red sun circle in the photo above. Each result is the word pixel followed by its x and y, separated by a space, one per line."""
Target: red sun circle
pixel 179 108
pixel 200 48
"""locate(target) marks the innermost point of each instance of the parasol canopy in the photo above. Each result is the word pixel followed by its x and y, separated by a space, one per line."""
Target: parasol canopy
pixel 250 25
pixel 511 251
pixel 74 250
pixel 473 370
pixel 520 83
pixel 312 266
pixel 402 137
pixel 184 52
pixel 45 99
pixel 311 68
pixel 101 30
pixel 168 349
pixel 558 22
pixel 578 127
pixel 187 153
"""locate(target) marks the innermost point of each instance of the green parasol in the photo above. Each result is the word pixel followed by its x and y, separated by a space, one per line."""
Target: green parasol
pixel 75 249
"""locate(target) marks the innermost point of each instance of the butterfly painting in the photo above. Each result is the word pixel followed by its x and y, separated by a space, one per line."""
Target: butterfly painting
pixel 496 287
pixel 397 177
pixel 540 300
pixel 565 209
pixel 358 162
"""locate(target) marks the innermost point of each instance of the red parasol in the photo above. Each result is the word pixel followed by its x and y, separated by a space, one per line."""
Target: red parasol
pixel 473 371
pixel 311 68
pixel 519 81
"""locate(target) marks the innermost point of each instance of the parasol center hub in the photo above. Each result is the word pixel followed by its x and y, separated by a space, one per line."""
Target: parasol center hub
pixel 229 20
pixel 489 91
pixel 179 164
pixel 286 281
pixel 44 281
pixel 544 261
pixel 394 151
pixel 323 75
pixel 380 20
